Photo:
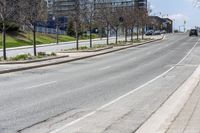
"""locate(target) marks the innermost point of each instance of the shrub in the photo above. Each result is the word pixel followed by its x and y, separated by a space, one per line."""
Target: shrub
pixel 21 57
pixel 53 54
pixel 83 47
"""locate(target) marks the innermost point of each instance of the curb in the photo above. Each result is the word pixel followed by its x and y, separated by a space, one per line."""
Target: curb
pixel 161 120
pixel 75 59
pixel 96 50
pixel 33 61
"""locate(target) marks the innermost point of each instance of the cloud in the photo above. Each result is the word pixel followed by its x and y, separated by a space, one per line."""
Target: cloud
pixel 179 17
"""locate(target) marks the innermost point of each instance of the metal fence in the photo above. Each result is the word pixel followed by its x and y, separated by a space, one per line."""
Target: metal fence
pixel 50 30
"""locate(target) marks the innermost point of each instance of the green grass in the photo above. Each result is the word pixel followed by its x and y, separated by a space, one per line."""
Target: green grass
pixel 25 39
pixel 23 57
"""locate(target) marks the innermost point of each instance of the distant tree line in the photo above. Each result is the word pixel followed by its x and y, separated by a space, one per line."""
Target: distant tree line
pixel 89 14
pixel 84 16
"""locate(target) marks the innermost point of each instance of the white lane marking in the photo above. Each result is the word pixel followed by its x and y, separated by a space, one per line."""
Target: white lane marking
pixel 123 96
pixel 105 68
pixel 39 85
pixel 188 53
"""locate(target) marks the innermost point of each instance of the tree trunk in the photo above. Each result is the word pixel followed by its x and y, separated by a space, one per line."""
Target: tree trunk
pixel 116 39
pixel 90 35
pixel 142 33
pixel 137 32
pixel 34 40
pixel 77 36
pixel 4 41
pixel 125 34
pixel 107 35
pixel 132 34
pixel 57 35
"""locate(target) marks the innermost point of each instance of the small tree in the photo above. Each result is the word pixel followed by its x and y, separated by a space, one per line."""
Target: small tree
pixel 76 15
pixel 70 29
pixel 103 10
pixel 137 16
pixel 8 13
pixel 116 18
pixel 128 20
pixel 89 15
pixel 143 20
pixel 32 12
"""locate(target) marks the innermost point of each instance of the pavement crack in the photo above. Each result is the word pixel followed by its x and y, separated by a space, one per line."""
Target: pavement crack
pixel 119 119
pixel 64 119
pixel 43 121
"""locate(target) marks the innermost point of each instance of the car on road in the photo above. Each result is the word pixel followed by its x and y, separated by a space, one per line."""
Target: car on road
pixel 157 32
pixel 163 32
pixel 149 33
pixel 193 32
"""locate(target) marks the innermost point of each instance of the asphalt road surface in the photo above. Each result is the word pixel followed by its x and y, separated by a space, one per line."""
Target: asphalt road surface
pixel 46 99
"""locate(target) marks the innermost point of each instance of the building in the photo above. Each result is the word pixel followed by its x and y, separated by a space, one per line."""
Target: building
pixel 63 6
pixel 168 25
pixel 114 3
pixel 157 23
pixel 142 4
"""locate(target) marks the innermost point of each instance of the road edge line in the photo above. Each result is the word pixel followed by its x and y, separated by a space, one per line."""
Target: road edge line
pixel 161 120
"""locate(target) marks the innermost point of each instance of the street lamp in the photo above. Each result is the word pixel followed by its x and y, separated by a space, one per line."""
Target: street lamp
pixel 57 38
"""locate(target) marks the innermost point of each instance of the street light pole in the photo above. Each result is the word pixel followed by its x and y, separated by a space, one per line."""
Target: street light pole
pixel 56 22
pixel 57 37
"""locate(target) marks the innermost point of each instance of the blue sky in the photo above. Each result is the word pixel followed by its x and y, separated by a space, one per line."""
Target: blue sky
pixel 179 10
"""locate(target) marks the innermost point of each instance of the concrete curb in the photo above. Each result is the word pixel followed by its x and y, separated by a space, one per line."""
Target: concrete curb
pixel 95 50
pixel 75 59
pixel 33 61
pixel 160 121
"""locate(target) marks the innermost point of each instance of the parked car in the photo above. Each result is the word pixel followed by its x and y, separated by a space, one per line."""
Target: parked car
pixel 193 32
pixel 149 33
pixel 157 32
pixel 163 32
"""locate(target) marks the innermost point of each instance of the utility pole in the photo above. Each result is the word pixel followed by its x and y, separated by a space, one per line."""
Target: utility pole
pixel 185 25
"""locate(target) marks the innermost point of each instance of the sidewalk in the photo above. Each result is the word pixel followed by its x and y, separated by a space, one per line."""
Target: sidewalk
pixel 62 45
pixel 188 120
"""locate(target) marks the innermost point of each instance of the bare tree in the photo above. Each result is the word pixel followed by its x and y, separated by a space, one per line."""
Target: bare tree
pixel 89 15
pixel 115 20
pixel 128 20
pixel 8 13
pixel 137 16
pixel 76 15
pixel 32 12
pixel 103 10
pixel 143 20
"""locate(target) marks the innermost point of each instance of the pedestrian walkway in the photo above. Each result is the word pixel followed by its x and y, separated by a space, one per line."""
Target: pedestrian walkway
pixel 188 120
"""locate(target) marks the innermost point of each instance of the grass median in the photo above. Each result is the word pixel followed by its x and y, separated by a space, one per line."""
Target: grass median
pixel 25 39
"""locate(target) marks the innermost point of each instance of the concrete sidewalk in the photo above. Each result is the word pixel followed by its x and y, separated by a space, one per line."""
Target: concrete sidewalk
pixel 188 120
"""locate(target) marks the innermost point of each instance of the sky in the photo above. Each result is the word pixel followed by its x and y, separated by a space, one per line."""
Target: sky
pixel 178 10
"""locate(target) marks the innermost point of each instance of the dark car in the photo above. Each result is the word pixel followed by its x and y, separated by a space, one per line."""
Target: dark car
pixel 193 32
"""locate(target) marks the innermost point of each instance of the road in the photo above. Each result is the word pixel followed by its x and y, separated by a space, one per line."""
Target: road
pixel 99 94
